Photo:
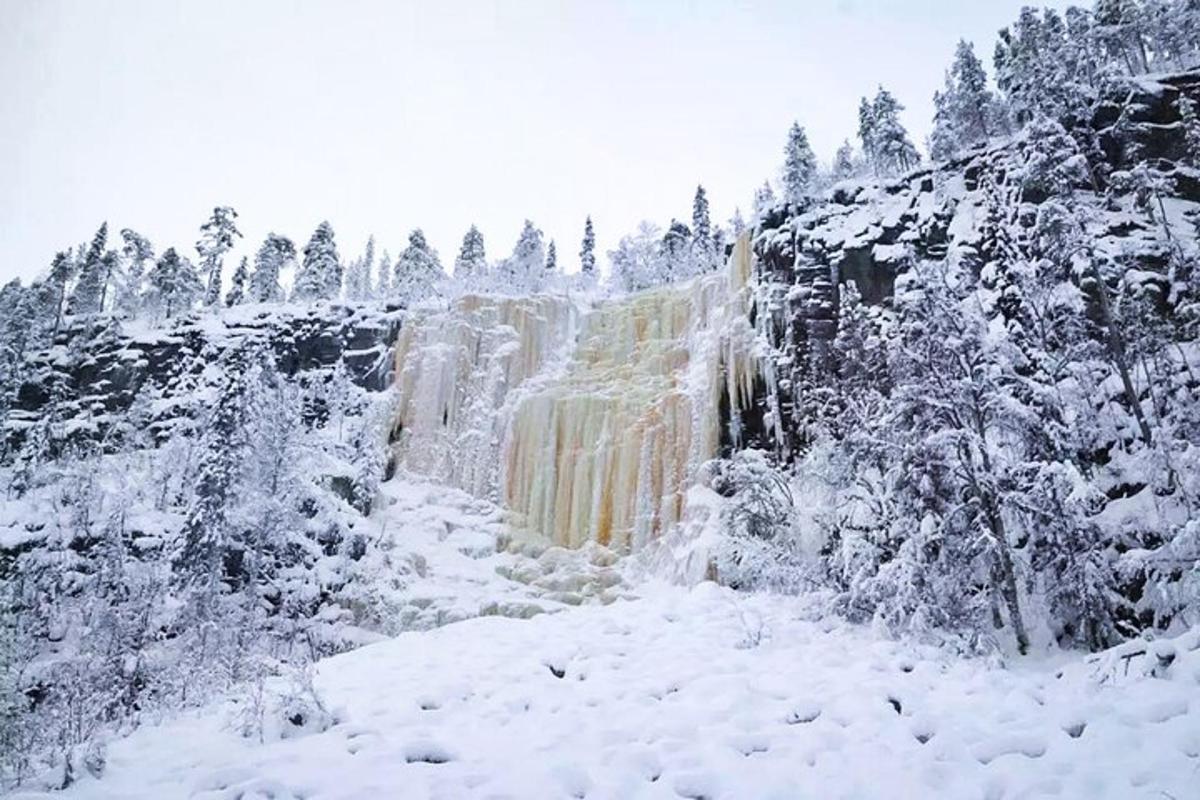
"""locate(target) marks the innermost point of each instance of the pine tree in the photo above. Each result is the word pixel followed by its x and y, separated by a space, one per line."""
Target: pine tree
pixel 320 276
pixel 471 263
pixel 704 245
pixel 274 255
pixel 675 252
pixel 237 288
pixel 764 200
pixel 701 218
pixel 966 112
pixel 62 269
pixel 843 162
pixel 1190 119
pixel 85 296
pixel 137 252
pixel 1119 29
pixel 892 152
pixel 527 265
pixel 866 130
pixel 418 270
pixel 358 275
pixel 587 250
pixel 14 334
pixel 216 239
pixel 737 224
pixel 209 556
pixel 383 284
pixel 174 284
pixel 551 261
pixel 799 166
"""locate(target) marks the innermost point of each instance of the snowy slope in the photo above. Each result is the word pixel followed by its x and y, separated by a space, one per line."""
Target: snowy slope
pixel 678 693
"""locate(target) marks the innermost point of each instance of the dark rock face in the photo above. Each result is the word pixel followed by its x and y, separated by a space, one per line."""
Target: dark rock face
pixel 95 371
pixel 869 236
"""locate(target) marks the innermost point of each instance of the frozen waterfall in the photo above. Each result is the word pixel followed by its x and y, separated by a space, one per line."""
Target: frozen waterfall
pixel 587 423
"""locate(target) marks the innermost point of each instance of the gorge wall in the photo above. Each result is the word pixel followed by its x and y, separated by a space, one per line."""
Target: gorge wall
pixel 586 421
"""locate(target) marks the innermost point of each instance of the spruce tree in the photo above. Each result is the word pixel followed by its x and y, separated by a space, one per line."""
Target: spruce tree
pixel 701 217
pixel 737 224
pixel 320 276
pixel 383 284
pixel 209 554
pixel 137 252
pixel 274 255
pixel 471 263
pixel 799 166
pixel 551 260
pixel 866 130
pixel 966 113
pixel 893 153
pixel 358 274
pixel 217 236
pixel 237 288
pixel 62 269
pixel 86 294
pixel 526 266
pixel 418 270
pixel 705 244
pixel 675 253
pixel 587 250
pixel 174 284
pixel 843 162
pixel 764 200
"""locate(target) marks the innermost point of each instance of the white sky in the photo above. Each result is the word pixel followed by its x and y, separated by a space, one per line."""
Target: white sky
pixel 383 116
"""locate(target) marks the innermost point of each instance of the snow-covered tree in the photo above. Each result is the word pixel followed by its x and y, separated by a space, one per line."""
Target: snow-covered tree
pixel 383 283
pixel 274 255
pixel 217 237
pixel 705 248
pixel 471 263
pixel 966 112
pixel 843 162
pixel 587 250
pixel 174 285
pixel 418 270
pixel 62 269
pixel 676 254
pixel 637 260
pixel 737 223
pixel 237 288
pixel 1189 117
pixel 137 252
pixel 884 138
pixel 799 166
pixel 320 275
pixel 764 200
pixel 359 274
pixel 89 286
pixel 525 268
pixel 551 270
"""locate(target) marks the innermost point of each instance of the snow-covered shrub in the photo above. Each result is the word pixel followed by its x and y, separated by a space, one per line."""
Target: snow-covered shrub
pixel 161 568
pixel 760 547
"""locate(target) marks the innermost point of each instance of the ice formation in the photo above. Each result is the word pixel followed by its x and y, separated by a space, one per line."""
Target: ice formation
pixel 587 424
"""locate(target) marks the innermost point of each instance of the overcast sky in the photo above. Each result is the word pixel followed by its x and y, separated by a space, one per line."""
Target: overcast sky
pixel 384 116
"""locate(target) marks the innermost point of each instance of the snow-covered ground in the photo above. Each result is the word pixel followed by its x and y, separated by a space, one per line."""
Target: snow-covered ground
pixel 667 692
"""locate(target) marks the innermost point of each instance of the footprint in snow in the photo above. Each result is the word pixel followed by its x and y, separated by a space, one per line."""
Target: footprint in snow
pixel 802 713
pixel 427 752
pixel 1028 745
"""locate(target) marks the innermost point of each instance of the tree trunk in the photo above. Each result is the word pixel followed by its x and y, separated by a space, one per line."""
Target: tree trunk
pixel 1005 577
pixel 1116 350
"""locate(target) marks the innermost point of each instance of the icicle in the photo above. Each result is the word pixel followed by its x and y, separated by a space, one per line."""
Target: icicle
pixel 598 444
